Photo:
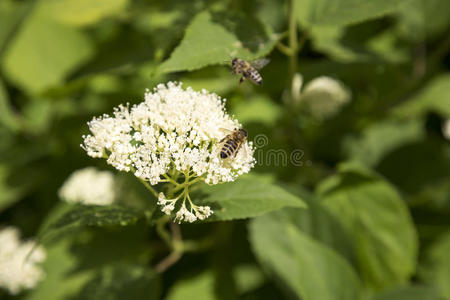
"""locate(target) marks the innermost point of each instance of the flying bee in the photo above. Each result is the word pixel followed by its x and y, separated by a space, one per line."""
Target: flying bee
pixel 232 142
pixel 249 70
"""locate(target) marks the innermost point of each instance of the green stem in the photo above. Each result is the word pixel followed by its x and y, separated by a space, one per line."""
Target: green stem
pixel 175 243
pixel 162 232
pixel 171 180
pixel 196 180
pixel 149 187
pixel 283 48
pixel 167 262
pixel 293 42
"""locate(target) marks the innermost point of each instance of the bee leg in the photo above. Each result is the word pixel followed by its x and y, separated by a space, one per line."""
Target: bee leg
pixel 241 80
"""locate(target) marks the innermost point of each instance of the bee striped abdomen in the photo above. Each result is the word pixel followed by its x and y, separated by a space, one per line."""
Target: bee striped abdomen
pixel 255 77
pixel 228 149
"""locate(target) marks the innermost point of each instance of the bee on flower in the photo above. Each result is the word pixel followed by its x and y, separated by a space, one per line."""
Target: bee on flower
pixel 171 137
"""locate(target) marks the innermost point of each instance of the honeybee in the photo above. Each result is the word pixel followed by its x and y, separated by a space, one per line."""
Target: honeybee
pixel 249 70
pixel 232 142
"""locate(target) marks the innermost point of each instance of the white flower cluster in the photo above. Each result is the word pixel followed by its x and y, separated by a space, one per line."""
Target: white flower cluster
pixel 184 214
pixel 174 131
pixel 89 186
pixel 322 97
pixel 18 268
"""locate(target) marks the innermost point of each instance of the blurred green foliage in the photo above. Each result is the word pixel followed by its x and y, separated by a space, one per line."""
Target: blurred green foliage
pixel 375 176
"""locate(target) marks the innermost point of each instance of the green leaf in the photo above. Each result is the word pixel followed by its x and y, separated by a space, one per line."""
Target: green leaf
pixel 78 216
pixel 10 15
pixel 431 159
pixel 113 261
pixel 409 293
pixel 435 96
pixel 343 44
pixel 80 12
pixel 214 38
pixel 342 12
pixel 384 237
pixel 199 287
pixel 123 281
pixel 8 117
pixel 328 39
pixel 309 269
pixel 247 278
pixel 57 284
pixel 9 193
pixel 44 53
pixel 246 198
pixel 320 224
pixel 385 45
pixel 382 138
pixel 216 79
pixel 259 109
pixel 436 270
pixel 423 19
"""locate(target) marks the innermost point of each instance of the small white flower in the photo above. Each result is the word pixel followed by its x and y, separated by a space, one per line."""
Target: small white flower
pixel 174 131
pixel 89 186
pixel 168 205
pixel 322 97
pixel 168 208
pixel 19 269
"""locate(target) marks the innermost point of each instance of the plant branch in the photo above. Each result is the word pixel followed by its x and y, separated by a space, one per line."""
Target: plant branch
pixel 293 42
pixel 162 232
pixel 283 48
pixel 171 180
pixel 167 262
pixel 175 243
pixel 149 187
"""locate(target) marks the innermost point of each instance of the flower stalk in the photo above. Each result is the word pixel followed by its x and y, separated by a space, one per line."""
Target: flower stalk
pixel 293 42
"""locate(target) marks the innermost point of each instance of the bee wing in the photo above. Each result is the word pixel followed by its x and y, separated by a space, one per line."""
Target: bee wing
pixel 227 133
pixel 259 63
pixel 242 149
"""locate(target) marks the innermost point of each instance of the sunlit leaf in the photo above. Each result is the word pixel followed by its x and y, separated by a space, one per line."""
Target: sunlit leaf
pixel 56 284
pixel 423 19
pixel 384 237
pixel 342 12
pixel 247 278
pixel 81 12
pixel 409 293
pixel 257 109
pixel 214 38
pixel 247 198
pixel 44 53
pixel 309 269
pixel 199 287
pixel 436 270
pixel 11 12
pixel 328 39
pixel 435 96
